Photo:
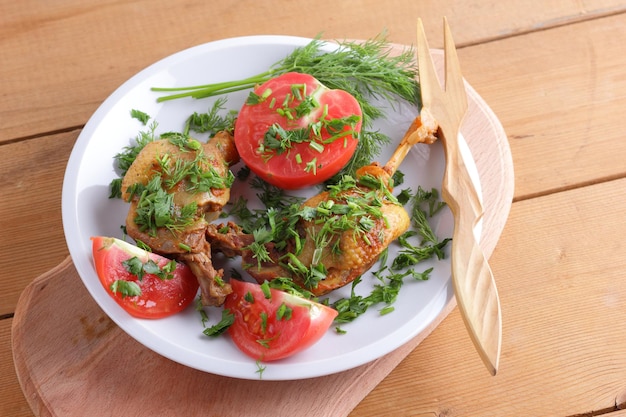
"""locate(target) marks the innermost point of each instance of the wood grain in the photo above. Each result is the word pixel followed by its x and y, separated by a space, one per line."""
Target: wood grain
pixel 31 179
pixel 13 403
pixel 560 270
pixel 552 70
pixel 558 95
pixel 55 382
pixel 89 48
pixel 95 364
pixel 474 286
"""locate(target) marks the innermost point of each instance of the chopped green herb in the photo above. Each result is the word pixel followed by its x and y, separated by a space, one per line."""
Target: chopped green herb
pixel 143 246
pixel 263 316
pixel 254 98
pixel 134 266
pixel 141 116
pixel 366 70
pixel 385 292
pixel 311 166
pixel 127 156
pixel 227 320
pixel 260 369
pixel 139 269
pixel 150 267
pixel 184 247
pixel 339 330
pixel 425 205
pixel 156 209
pixel 386 310
pixel 287 285
pixel 265 287
pixel 125 288
pixel 284 312
pixel 204 317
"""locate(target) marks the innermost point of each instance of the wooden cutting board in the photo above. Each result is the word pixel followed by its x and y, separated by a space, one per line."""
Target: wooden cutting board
pixel 72 360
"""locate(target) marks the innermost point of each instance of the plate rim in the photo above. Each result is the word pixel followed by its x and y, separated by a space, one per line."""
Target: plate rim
pixel 70 189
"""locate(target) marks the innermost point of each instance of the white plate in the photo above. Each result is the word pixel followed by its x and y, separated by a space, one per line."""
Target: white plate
pixel 87 211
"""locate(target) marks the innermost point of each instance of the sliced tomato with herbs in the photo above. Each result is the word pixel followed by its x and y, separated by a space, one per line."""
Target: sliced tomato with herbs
pixel 295 132
pixel 270 324
pixel 145 284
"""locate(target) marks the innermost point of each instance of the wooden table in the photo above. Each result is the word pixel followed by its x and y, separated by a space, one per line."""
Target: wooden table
pixel 552 70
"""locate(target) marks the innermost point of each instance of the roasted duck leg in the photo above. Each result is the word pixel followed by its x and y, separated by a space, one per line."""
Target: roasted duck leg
pixel 176 186
pixel 350 229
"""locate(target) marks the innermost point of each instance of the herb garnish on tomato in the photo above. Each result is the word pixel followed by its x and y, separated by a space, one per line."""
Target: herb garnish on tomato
pixel 294 132
pixel 366 70
pixel 270 324
pixel 145 284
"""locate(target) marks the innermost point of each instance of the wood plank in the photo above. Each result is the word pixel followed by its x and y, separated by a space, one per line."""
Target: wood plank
pixel 565 118
pixel 61 59
pixel 13 402
pixel 558 268
pixel 31 179
pixel 27 222
pixel 42 358
pixel 566 139
pixel 59 374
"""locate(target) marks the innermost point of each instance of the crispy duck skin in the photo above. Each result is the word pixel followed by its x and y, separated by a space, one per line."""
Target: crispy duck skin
pixel 187 244
pixel 356 253
pixel 352 253
pixel 220 153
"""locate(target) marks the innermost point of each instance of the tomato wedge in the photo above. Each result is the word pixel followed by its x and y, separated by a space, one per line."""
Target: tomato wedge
pixel 294 132
pixel 270 328
pixel 165 288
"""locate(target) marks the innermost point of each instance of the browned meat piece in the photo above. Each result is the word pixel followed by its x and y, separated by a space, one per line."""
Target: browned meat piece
pixel 228 239
pixel 213 289
pixel 357 252
pixel 232 241
pixel 192 186
pixel 343 256
pixel 168 159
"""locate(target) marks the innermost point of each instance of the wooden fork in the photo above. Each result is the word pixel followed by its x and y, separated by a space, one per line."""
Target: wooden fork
pixel 474 285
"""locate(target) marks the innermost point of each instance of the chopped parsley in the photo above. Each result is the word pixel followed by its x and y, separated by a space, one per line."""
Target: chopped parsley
pixel 155 200
pixel 156 208
pixel 125 288
pixel 351 205
pixel 138 268
pixel 144 118
pixel 217 329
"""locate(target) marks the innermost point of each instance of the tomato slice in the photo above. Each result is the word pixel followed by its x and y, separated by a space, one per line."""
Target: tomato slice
pixel 160 296
pixel 263 333
pixel 294 132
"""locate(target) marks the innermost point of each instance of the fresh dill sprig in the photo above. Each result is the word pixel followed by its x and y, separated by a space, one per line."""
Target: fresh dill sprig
pixel 212 121
pixel 364 69
pixel 368 70
pixel 127 156
pixel 425 205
